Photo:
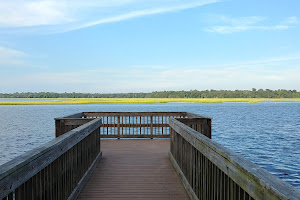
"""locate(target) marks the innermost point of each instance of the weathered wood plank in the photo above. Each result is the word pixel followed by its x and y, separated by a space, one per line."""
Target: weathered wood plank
pixel 85 178
pixel 72 122
pixel 19 170
pixel 134 169
pixel 257 182
pixel 193 115
pixel 75 115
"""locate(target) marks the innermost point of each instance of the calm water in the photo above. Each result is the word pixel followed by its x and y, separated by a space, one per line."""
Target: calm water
pixel 268 134
pixel 27 100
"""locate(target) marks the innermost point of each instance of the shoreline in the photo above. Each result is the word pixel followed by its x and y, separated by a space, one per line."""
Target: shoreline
pixel 70 101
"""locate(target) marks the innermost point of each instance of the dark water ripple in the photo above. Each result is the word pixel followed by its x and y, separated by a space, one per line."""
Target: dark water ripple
pixel 268 134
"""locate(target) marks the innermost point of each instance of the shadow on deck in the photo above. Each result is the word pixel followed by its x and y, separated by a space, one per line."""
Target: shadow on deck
pixel 134 169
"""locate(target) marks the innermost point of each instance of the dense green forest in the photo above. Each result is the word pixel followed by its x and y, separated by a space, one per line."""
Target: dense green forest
pixel 254 93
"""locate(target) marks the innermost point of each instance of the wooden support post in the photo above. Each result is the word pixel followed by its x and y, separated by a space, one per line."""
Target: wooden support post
pixel 118 126
pixel 151 129
pixel 57 128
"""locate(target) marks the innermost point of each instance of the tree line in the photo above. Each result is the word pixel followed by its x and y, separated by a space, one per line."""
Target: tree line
pixel 254 93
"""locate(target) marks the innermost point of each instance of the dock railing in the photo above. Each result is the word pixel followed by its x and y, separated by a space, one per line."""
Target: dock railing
pixel 133 124
pixel 211 171
pixel 56 170
pixel 60 168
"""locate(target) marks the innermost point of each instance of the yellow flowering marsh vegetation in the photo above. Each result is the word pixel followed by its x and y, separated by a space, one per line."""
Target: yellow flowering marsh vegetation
pixel 144 100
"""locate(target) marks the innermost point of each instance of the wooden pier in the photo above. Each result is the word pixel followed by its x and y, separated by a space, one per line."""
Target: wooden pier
pixel 134 169
pixel 143 155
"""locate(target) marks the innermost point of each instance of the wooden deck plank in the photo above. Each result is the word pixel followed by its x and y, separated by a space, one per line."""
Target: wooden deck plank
pixel 134 169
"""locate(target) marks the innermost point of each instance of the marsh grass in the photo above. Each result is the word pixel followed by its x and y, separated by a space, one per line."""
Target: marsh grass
pixel 145 100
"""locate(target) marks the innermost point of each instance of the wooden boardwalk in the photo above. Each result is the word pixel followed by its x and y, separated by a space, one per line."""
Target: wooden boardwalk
pixel 134 169
pixel 137 168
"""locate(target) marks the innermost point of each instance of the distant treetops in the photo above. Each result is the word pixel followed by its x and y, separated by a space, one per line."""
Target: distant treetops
pixel 254 93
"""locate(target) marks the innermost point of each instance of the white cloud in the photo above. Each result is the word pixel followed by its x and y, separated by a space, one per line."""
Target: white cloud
pixel 232 29
pixel 23 13
pixel 242 20
pixel 11 56
pixel 270 62
pixel 143 12
pixel 292 20
pixel 232 25
pixel 65 15
pixel 8 53
pixel 243 75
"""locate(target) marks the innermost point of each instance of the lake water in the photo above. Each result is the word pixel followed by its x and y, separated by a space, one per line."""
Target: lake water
pixel 28 99
pixel 268 134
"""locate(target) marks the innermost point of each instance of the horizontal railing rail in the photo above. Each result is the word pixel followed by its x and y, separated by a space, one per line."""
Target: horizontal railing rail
pixel 210 171
pixel 129 124
pixel 56 170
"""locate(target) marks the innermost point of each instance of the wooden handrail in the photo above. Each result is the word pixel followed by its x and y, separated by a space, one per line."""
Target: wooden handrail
pixel 60 168
pixel 98 114
pixel 211 171
pixel 56 170
pixel 130 124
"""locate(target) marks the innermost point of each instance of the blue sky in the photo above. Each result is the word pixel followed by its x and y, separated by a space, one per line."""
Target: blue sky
pixel 148 45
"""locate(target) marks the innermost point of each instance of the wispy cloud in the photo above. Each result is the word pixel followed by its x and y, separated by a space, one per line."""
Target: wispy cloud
pixel 7 52
pixel 292 20
pixel 16 59
pixel 11 56
pixel 252 73
pixel 284 61
pixel 67 15
pixel 145 12
pixel 232 25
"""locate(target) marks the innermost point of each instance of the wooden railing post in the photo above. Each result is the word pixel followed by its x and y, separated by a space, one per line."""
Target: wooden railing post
pixel 118 126
pixel 58 127
pixel 207 127
pixel 151 122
